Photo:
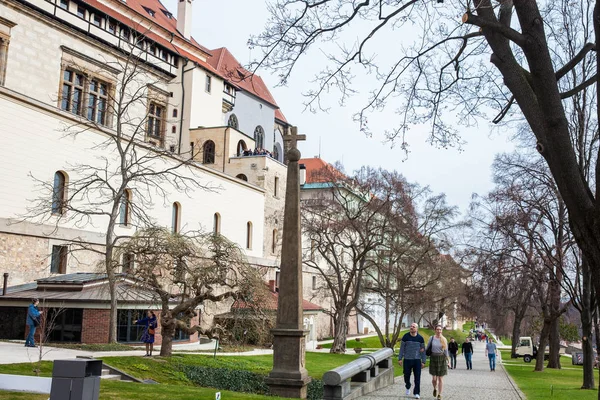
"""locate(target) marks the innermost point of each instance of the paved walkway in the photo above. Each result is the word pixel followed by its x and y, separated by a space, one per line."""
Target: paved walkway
pixel 477 384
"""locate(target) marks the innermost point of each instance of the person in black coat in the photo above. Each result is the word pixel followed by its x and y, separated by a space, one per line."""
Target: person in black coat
pixel 453 351
pixel 467 350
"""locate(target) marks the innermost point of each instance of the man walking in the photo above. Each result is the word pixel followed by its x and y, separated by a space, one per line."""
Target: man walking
pixel 491 351
pixel 453 350
pixel 467 350
pixel 412 354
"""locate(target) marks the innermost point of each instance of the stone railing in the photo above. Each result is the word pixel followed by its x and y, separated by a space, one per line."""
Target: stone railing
pixel 367 373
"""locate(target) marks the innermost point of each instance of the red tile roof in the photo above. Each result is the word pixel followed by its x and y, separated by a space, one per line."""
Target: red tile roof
pixel 161 19
pixel 279 115
pixel 229 67
pixel 319 171
pixel 271 304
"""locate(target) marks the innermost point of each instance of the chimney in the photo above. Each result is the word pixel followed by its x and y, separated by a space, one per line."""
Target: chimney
pixel 184 18
pixel 5 284
pixel 302 174
pixel 272 286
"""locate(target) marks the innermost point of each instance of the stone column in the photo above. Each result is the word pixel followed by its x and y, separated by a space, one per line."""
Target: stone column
pixel 289 376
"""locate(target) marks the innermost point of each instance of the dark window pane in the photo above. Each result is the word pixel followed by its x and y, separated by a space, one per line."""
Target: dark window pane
pixel 64 104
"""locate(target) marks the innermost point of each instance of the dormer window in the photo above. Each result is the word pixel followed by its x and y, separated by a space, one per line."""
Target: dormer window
pixel 168 14
pixel 149 11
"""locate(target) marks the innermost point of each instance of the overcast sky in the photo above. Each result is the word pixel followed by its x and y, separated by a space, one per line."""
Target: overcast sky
pixel 229 23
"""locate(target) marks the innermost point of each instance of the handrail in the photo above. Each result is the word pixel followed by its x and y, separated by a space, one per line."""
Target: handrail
pixel 365 362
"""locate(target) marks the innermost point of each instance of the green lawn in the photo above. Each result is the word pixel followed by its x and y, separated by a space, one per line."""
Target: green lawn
pixel 563 384
pixel 174 384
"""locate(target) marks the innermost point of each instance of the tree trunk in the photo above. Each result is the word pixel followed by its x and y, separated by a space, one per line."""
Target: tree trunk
pixel 340 328
pixel 554 342
pixel 539 360
pixel 516 331
pixel 167 331
pixel 586 328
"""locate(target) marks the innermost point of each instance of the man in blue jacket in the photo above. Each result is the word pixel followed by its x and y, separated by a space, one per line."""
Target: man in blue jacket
pixel 33 316
pixel 412 354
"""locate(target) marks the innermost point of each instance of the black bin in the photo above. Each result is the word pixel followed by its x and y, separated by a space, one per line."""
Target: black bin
pixel 77 379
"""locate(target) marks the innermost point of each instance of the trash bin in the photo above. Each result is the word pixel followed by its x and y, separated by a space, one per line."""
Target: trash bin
pixel 77 379
pixel 577 358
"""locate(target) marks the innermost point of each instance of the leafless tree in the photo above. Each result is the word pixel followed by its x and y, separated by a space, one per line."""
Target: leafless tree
pixel 443 73
pixel 407 267
pixel 131 173
pixel 187 271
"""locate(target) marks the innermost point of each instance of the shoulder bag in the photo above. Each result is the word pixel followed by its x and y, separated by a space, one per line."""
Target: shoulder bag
pixel 428 350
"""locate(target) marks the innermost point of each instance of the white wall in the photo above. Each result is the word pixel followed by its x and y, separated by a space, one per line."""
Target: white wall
pixel 38 148
pixel 251 112
pixel 206 108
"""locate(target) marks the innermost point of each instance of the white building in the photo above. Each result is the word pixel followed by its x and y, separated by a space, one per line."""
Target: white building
pixel 62 69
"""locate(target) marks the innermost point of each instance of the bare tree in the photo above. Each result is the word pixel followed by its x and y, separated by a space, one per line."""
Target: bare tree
pixel 443 73
pixel 131 171
pixel 187 271
pixel 407 266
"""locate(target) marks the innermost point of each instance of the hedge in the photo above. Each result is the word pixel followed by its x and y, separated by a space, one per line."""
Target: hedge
pixel 240 381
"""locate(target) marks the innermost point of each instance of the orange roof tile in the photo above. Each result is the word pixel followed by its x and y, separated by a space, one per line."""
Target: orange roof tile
pixel 279 115
pixel 229 67
pixel 316 168
pixel 161 19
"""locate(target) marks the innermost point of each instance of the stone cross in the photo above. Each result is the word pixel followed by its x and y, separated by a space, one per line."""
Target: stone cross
pixel 289 376
pixel 292 138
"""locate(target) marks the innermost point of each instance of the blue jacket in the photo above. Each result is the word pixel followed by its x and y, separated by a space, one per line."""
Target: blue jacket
pixel 32 312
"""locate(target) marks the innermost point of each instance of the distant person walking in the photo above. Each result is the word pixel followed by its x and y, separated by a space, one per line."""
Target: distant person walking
pixel 467 350
pixel 412 355
pixel 150 328
pixel 491 351
pixel 453 351
pixel 438 362
pixel 33 321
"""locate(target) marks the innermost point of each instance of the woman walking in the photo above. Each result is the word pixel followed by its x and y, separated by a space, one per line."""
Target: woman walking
pixel 438 363
pixel 150 328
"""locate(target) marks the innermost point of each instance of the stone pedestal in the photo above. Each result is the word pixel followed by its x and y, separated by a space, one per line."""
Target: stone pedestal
pixel 289 376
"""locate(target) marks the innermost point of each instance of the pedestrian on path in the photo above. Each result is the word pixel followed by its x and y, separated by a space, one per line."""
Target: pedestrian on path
pixel 412 355
pixel 453 350
pixel 438 362
pixel 467 350
pixel 33 321
pixel 491 351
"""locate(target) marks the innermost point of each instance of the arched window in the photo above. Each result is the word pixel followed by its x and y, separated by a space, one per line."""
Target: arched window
pixel 176 218
pixel 125 208
pixel 274 247
pixel 259 137
pixel 241 147
pixel 59 192
pixel 217 224
pixel 208 150
pixel 233 121
pixel 249 235
pixel 276 152
pixel 242 177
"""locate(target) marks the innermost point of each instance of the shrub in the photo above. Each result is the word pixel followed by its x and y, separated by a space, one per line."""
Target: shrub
pixel 227 379
pixel 240 381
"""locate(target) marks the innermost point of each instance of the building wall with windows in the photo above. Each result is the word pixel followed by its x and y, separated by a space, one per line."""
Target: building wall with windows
pixel 252 112
pixel 206 105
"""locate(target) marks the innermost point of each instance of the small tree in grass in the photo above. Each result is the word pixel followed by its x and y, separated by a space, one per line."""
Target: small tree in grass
pixel 187 271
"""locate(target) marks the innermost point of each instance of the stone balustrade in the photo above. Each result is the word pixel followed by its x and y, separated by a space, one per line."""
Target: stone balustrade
pixel 367 373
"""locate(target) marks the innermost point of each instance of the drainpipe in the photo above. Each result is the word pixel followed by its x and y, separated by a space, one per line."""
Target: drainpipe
pixel 224 146
pixel 183 71
pixel 5 284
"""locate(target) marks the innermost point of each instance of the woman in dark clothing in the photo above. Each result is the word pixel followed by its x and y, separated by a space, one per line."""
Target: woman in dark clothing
pixel 150 325
pixel 467 350
pixel 453 350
